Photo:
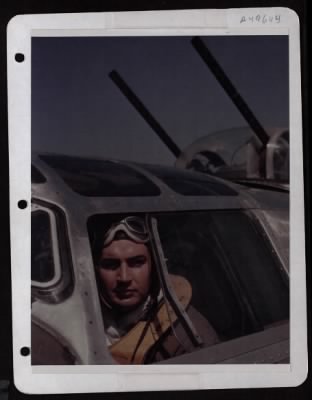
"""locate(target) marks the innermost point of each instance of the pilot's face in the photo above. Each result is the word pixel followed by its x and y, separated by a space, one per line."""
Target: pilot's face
pixel 125 273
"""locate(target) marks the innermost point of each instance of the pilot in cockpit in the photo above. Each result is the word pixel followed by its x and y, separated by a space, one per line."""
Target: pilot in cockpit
pixel 140 324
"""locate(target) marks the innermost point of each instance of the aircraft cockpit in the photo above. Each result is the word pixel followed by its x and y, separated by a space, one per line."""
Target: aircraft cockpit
pixel 222 246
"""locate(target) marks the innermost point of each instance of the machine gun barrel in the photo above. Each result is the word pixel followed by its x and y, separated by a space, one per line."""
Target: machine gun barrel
pixel 144 112
pixel 230 89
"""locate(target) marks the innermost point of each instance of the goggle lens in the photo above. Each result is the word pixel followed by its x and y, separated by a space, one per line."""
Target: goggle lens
pixel 134 227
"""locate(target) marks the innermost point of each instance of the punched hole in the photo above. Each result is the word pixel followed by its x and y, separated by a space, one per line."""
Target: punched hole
pixel 25 351
pixel 22 204
pixel 19 57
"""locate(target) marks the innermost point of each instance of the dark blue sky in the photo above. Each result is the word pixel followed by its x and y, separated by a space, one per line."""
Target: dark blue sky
pixel 77 109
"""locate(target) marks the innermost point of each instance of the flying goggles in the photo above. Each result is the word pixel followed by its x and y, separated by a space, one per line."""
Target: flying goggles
pixel 133 227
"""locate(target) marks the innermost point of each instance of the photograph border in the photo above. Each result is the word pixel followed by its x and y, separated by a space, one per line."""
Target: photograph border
pixel 60 379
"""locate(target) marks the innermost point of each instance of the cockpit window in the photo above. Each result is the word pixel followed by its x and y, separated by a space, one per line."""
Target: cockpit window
pixel 236 281
pixel 220 266
pixel 42 259
pixel 190 183
pixel 100 178
pixel 51 263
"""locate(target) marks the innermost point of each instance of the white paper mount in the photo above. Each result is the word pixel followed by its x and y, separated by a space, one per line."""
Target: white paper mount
pixel 108 378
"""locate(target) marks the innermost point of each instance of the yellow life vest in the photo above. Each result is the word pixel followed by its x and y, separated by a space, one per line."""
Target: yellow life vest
pixel 133 347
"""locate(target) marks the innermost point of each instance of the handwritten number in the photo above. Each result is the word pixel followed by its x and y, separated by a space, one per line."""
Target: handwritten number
pixel 264 19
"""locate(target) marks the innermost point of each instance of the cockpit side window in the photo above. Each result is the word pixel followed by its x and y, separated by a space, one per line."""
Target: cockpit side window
pixel 255 264
pixel 214 269
pixel 45 266
pixel 51 276
pixel 236 281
